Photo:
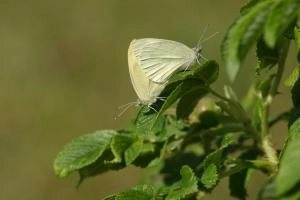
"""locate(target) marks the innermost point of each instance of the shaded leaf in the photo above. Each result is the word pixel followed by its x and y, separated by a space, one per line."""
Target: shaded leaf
pixel 238 181
pixel 82 151
pixel 101 165
pixel 296 93
pixel 178 92
pixel 267 57
pixel 207 73
pixel 215 156
pixel 188 102
pixel 173 164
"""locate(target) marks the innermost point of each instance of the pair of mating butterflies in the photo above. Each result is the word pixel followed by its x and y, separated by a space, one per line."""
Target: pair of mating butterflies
pixel 152 62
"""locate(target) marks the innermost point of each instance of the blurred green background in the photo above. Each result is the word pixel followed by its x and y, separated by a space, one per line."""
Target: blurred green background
pixel 63 73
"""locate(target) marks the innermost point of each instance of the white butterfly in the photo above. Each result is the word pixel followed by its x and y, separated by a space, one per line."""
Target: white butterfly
pixel 153 61
pixel 160 59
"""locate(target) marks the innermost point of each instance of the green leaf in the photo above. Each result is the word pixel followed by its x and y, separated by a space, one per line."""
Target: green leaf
pixel 101 165
pixel 188 102
pixel 207 73
pixel 239 180
pixel 281 16
pixel 188 185
pixel 242 34
pixel 140 192
pixel 297 41
pixel 293 77
pixel 209 119
pixel 183 82
pixel 289 172
pixel 174 128
pixel 296 92
pixel 264 86
pixel 210 176
pixel 148 123
pixel 215 156
pixel 178 92
pixel 267 192
pixel 267 57
pixel 133 151
pixel 82 151
pixel 249 5
pixel 119 144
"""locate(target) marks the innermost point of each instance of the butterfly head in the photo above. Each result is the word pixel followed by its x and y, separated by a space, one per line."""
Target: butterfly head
pixel 198 50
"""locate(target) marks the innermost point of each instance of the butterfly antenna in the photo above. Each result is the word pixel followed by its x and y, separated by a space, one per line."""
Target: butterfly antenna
pixel 203 57
pixel 202 35
pixel 125 107
pixel 162 98
pixel 152 108
pixel 127 104
pixel 209 37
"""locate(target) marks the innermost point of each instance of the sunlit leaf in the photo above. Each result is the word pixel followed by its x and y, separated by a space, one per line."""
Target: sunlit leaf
pixel 133 151
pixel 119 144
pixel 293 77
pixel 282 15
pixel 297 41
pixel 289 172
pixel 242 34
pixel 140 192
pixel 186 186
pixel 82 151
pixel 210 176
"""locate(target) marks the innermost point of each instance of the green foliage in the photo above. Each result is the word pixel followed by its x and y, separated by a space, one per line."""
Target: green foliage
pixel 186 186
pixel 142 192
pixel 210 136
pixel 82 151
pixel 289 172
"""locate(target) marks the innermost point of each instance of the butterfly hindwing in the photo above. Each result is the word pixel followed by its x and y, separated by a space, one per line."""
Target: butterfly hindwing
pixel 147 90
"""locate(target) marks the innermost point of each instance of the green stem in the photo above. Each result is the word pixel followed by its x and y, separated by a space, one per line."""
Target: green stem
pixel 266 144
pixel 215 131
pixel 241 115
pixel 246 164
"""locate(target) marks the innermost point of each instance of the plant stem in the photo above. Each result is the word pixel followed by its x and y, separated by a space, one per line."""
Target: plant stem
pixel 266 144
pixel 241 115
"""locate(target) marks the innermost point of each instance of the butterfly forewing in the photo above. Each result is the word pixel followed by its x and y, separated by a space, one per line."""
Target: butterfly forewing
pixel 147 90
pixel 160 59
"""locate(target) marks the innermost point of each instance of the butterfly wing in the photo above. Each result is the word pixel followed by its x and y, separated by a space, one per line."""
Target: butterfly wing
pixel 146 90
pixel 160 58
